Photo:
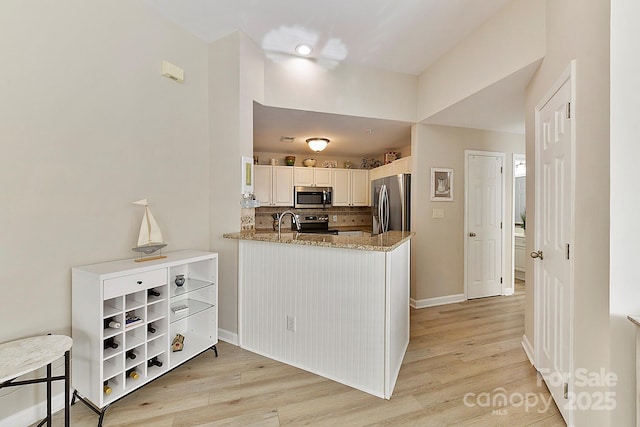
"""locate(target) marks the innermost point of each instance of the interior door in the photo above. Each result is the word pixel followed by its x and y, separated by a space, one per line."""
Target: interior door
pixel 554 216
pixel 484 210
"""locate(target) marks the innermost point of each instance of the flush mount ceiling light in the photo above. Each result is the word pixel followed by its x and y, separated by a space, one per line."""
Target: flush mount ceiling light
pixel 303 49
pixel 317 144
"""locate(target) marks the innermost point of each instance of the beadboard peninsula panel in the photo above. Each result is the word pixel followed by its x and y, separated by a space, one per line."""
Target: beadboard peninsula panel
pixel 398 264
pixel 334 298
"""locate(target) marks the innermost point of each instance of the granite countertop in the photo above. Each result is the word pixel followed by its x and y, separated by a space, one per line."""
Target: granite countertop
pixel 380 243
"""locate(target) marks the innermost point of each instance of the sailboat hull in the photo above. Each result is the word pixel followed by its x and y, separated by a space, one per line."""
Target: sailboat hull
pixel 149 248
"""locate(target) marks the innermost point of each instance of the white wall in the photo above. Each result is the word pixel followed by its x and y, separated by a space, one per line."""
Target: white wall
pixel 579 29
pixel 303 84
pixel 235 81
pixel 87 126
pixel 437 265
pixel 506 43
pixel 625 204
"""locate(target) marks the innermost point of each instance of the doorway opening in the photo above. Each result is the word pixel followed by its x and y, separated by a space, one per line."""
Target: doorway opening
pixel 519 242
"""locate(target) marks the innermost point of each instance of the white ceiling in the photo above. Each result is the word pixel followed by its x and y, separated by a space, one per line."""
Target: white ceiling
pixel 398 35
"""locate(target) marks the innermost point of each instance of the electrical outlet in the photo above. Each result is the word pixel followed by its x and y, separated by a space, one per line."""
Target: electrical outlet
pixel 291 323
pixel 335 218
pixel 437 213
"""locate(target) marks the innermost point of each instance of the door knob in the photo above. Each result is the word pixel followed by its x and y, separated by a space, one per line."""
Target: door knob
pixel 472 234
pixel 537 254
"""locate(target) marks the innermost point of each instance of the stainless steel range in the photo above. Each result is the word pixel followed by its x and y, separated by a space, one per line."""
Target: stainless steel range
pixel 314 224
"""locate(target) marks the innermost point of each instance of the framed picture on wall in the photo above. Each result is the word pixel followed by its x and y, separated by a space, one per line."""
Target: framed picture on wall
pixel 441 185
pixel 247 175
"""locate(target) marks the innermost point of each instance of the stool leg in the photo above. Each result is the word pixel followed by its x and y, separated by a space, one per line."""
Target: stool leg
pixel 49 394
pixel 66 390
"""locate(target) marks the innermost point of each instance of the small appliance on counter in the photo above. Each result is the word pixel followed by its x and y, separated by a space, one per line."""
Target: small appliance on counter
pixel 391 203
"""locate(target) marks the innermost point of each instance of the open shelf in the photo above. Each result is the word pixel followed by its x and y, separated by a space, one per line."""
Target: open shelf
pixel 193 307
pixel 190 285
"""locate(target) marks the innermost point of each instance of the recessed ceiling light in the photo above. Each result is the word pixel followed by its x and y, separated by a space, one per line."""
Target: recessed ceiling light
pixel 303 49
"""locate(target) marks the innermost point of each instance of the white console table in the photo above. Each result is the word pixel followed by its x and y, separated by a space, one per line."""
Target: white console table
pixel 26 355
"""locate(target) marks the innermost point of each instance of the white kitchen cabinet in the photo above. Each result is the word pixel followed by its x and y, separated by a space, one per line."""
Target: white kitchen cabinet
pixel 396 167
pixel 312 177
pixel 520 257
pixel 351 187
pixel 148 310
pixel 273 185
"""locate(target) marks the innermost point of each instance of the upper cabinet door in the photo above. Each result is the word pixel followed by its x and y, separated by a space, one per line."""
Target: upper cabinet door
pixel 341 187
pixel 262 184
pixel 282 186
pixel 359 187
pixel 322 177
pixel 303 177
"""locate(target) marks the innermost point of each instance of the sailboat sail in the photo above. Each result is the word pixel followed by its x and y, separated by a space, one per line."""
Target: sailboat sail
pixel 150 237
pixel 149 230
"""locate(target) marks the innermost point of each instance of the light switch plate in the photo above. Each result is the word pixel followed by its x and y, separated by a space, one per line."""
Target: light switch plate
pixel 438 213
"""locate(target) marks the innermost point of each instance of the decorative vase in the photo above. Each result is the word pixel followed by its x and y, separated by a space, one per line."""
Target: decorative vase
pixel 180 280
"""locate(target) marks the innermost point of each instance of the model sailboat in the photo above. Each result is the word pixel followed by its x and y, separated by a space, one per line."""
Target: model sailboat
pixel 150 237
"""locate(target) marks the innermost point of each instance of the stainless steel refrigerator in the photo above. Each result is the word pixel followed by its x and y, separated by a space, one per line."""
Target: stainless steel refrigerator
pixel 391 203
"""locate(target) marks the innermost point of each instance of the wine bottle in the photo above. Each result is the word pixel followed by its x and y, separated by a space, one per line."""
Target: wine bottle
pixel 131 354
pixel 131 373
pixel 106 388
pixel 111 323
pixel 151 329
pixel 110 343
pixel 153 292
pixel 154 362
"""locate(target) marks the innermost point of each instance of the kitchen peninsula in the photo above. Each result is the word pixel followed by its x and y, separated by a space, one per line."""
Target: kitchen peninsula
pixel 337 306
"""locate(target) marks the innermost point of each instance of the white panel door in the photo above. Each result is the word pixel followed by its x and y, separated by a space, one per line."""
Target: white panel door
pixel 484 226
pixel 553 234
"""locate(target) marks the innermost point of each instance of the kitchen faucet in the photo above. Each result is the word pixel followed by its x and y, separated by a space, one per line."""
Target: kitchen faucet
pixel 294 218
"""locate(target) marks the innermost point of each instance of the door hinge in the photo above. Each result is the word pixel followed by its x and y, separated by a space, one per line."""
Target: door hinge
pixel 501 280
pixel 500 225
pixel 565 390
pixel 569 110
pixel 567 251
pixel 501 169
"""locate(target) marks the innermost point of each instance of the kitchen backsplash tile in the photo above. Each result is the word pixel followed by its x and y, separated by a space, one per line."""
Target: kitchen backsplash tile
pixel 357 217
pixel 247 219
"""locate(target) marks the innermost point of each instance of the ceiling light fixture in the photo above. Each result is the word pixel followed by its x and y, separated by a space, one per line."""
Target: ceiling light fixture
pixel 317 144
pixel 303 49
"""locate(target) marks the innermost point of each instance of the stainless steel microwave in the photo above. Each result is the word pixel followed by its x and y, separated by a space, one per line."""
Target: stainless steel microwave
pixel 312 197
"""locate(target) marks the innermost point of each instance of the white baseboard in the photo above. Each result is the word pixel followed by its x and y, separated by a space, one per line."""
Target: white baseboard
pixel 35 413
pixel 432 302
pixel 226 336
pixel 528 349
pixel 508 291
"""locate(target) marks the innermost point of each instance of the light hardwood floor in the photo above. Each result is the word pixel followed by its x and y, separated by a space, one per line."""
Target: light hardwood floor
pixel 469 349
